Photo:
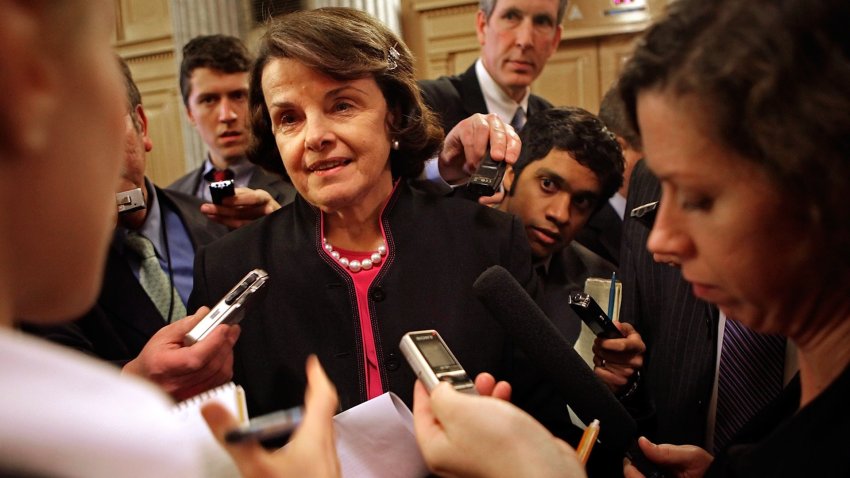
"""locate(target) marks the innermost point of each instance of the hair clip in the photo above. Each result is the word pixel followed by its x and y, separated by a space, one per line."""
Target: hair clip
pixel 392 58
pixel 608 132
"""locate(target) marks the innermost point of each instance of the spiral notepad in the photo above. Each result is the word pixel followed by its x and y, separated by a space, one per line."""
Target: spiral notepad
pixel 217 463
pixel 230 395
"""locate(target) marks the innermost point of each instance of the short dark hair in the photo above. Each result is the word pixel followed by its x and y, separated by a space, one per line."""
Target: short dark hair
pixel 770 77
pixel 345 44
pixel 582 135
pixel 222 53
pixel 134 97
pixel 612 112
pixel 487 6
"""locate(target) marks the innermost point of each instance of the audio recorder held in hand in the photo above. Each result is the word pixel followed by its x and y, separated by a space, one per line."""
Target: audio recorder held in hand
pixel 433 362
pixel 487 179
pixel 232 308
pixel 592 315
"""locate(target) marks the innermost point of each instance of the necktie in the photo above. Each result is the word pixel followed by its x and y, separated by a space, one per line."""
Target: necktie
pixel 216 175
pixel 750 375
pixel 518 121
pixel 154 280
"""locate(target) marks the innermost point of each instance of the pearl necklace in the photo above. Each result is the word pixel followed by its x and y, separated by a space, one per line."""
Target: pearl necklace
pixel 357 266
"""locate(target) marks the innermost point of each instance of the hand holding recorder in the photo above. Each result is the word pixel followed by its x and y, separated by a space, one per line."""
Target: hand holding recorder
pixel 239 207
pixel 184 371
pixel 232 308
pixel 464 435
pixel 468 142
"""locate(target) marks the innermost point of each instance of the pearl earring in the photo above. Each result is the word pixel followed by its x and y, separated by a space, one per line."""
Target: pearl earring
pixel 395 144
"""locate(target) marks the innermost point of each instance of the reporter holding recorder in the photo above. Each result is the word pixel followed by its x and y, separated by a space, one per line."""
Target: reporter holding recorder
pixel 753 207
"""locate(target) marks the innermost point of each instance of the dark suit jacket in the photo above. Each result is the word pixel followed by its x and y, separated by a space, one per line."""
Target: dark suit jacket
pixel 281 190
pixel 455 98
pixel 568 270
pixel 602 233
pixel 124 318
pixel 680 332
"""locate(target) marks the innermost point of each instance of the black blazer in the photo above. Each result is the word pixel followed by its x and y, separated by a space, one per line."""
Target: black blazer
pixel 124 318
pixel 281 190
pixel 602 233
pixel 437 248
pixel 455 98
pixel 680 332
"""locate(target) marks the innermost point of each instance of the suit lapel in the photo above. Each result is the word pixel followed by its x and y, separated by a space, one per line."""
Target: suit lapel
pixel 124 299
pixel 200 229
pixel 473 98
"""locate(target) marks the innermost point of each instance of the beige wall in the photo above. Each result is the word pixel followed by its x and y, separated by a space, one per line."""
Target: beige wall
pixel 143 37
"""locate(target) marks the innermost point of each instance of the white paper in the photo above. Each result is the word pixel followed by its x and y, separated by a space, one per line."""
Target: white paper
pixel 376 439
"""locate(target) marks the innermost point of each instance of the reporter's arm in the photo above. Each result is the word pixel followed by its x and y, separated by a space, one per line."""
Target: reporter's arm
pixel 463 435
pixel 617 361
pixel 186 371
pixel 311 452
pixel 246 206
pixel 466 143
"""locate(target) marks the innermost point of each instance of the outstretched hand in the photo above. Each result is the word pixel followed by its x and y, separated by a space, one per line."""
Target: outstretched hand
pixel 467 142
pixel 186 371
pixel 242 208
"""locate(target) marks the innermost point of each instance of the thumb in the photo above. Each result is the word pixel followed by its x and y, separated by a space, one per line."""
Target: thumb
pixel 668 456
pixel 185 325
pixel 220 421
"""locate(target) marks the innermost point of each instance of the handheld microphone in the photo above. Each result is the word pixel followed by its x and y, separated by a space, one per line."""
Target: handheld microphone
pixel 546 348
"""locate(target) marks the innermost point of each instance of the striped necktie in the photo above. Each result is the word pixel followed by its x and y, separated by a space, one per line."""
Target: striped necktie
pixel 154 280
pixel 750 375
pixel 518 121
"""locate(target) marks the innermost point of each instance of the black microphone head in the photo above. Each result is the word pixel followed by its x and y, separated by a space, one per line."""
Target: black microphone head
pixel 527 325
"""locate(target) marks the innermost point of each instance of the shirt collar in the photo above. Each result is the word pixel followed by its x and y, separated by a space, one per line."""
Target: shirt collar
pixel 495 97
pixel 618 202
pixel 240 167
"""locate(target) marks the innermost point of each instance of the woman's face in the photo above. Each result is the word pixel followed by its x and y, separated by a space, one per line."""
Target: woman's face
pixel 64 226
pixel 720 217
pixel 333 135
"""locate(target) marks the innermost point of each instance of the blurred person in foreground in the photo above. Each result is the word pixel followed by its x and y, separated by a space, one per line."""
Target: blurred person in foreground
pixel 138 323
pixel 64 414
pixel 753 207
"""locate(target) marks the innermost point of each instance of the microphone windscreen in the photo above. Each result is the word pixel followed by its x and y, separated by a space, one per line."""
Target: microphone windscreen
pixel 546 349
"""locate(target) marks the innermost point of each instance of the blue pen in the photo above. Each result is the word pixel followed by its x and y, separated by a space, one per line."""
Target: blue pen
pixel 612 293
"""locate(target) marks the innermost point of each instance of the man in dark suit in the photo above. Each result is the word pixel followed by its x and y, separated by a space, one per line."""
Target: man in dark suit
pixel 679 330
pixel 603 232
pixel 569 165
pixel 131 325
pixel 517 37
pixel 214 85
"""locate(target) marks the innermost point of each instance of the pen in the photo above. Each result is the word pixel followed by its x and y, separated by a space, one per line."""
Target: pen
pixel 273 425
pixel 588 439
pixel 612 294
